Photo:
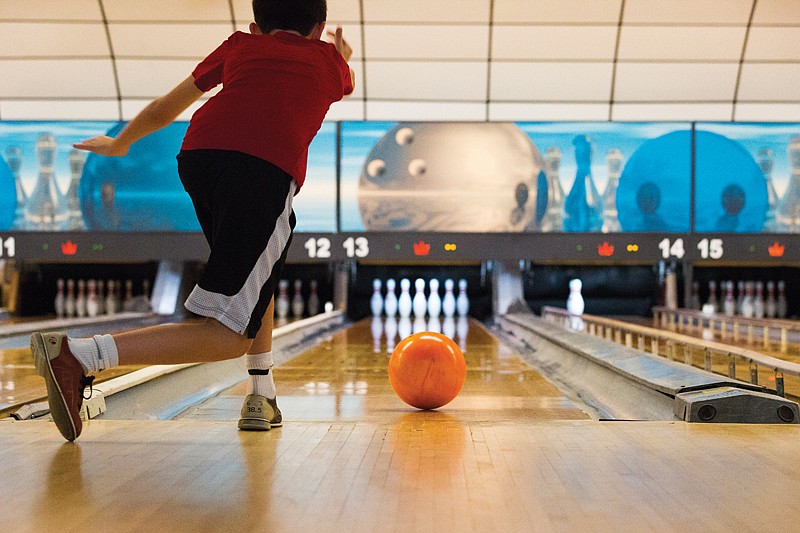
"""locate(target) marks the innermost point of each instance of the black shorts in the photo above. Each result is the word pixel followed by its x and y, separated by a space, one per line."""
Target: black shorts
pixel 244 205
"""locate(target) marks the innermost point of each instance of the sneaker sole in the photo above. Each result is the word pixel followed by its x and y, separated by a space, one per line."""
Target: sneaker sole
pixel 58 405
pixel 254 424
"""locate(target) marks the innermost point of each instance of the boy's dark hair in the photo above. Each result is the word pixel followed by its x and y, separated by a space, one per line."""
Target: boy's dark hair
pixel 296 15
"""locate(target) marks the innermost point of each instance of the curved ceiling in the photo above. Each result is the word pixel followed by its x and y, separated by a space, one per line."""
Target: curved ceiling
pixel 720 60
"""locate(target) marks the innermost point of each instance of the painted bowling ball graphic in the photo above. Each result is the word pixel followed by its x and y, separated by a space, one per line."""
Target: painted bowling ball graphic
pixel 655 186
pixel 466 177
pixel 8 197
pixel 731 190
pixel 141 191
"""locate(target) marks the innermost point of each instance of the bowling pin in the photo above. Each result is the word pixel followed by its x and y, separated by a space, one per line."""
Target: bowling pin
pixel 80 301
pixel 92 307
pixel 69 302
pixel 462 302
pixel 747 301
pixel 434 300
pixel 694 302
pixel 420 302
pixel 729 303
pixel 101 299
pixel 313 298
pixel 60 301
pixel 404 302
pixel 111 298
pixel 47 207
pixel 575 303
pixel 76 161
pixel 128 293
pixel 782 305
pixel 771 306
pixel 449 301
pixel 739 296
pixel 282 302
pixel 390 302
pixel 118 296
pixel 758 301
pixel 376 302
pixel 419 324
pixel 298 304
pixel 146 290
pixel 14 160
pixel 712 296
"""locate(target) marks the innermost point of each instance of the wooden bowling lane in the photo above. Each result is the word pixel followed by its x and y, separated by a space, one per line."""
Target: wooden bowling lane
pixel 487 462
pixel 345 378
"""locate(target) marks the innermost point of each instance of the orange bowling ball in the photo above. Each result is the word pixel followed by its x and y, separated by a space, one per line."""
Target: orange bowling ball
pixel 427 370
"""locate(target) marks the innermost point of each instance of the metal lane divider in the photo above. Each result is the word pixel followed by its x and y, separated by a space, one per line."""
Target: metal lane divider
pixel 621 350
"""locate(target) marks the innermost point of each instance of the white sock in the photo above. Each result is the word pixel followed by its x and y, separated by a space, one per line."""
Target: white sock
pixel 95 353
pixel 259 381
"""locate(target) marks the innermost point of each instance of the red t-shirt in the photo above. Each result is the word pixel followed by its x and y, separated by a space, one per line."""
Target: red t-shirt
pixel 276 91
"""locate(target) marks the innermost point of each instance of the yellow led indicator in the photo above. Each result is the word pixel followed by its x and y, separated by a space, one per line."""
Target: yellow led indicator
pixel 633 247
pixel 450 247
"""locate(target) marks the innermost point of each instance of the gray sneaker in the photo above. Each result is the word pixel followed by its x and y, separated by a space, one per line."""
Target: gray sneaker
pixel 260 413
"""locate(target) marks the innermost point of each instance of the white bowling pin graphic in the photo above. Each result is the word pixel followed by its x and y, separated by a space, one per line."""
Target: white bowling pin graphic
pixel 92 308
pixel 111 298
pixel 313 298
pixel 298 304
pixel 69 302
pixel 420 302
pixel 449 301
pixel 80 301
pixel 60 301
pixel 434 300
pixel 391 333
pixel 282 302
pixel 404 303
pixel 376 302
pixel 376 328
pixel 462 302
pixel 390 302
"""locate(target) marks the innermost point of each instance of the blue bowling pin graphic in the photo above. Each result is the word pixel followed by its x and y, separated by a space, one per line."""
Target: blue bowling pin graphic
pixel 583 206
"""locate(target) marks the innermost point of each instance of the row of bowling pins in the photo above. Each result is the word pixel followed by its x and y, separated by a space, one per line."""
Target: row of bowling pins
pixel 94 297
pixel 749 301
pixel 452 327
pixel 420 305
pixel 297 305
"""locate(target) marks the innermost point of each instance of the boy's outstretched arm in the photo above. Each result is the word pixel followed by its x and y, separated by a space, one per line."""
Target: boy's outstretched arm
pixel 158 114
pixel 344 49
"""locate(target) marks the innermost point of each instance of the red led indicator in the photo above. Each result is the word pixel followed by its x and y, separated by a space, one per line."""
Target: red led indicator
pixel 605 249
pixel 422 248
pixel 69 248
pixel 776 250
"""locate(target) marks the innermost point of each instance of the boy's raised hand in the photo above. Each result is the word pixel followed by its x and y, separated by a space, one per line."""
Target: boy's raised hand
pixel 340 44
pixel 102 145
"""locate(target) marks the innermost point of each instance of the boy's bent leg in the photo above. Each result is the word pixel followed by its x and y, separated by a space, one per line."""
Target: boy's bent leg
pixel 64 370
pixel 260 411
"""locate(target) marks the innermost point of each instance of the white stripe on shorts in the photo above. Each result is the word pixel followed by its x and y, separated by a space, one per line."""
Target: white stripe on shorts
pixel 235 311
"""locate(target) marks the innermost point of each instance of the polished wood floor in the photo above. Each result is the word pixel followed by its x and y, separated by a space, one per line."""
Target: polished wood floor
pixel 509 454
